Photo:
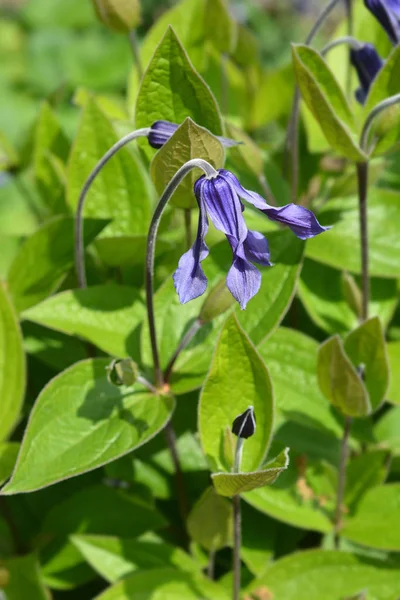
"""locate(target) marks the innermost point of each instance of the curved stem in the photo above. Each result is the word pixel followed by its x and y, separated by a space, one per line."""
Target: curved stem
pixel 375 112
pixel 135 52
pixel 362 176
pixel 350 29
pixel 151 241
pixel 292 139
pixel 79 246
pixel 347 39
pixel 187 338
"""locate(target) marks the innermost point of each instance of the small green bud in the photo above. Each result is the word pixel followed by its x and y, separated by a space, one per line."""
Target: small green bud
pixel 119 15
pixel 217 302
pixel 122 371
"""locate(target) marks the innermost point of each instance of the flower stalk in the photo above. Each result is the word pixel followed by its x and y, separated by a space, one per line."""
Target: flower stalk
pixel 344 453
pixel 237 525
pixel 362 176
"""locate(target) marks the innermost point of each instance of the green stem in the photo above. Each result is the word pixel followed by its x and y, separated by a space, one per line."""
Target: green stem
pixel 135 52
pixel 350 29
pixel 362 176
pixel 237 525
pixel 342 479
pixel 79 245
pixel 187 338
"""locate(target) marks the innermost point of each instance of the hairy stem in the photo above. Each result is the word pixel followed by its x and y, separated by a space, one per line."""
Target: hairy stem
pixel 79 245
pixel 350 29
pixel 342 478
pixel 135 52
pixel 292 138
pixel 187 338
pixel 237 525
pixel 211 564
pixel 362 175
pixel 375 112
pixel 151 242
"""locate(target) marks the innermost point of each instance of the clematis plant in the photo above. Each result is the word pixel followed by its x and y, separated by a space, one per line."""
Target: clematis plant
pixel 219 196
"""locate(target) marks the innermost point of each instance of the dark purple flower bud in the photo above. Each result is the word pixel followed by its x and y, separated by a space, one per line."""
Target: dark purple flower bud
pixel 367 63
pixel 244 426
pixel 161 131
pixel 219 197
pixel 388 14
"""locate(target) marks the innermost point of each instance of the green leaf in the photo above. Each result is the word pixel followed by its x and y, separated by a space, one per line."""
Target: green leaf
pixel 165 583
pixel 393 350
pixel 291 357
pixel 387 431
pixel 51 149
pixel 375 523
pixel 210 522
pixel 366 346
pixel 43 260
pixel 231 484
pixel 363 472
pixel 223 37
pixel 108 315
pixel 330 575
pixel 93 422
pixel 324 97
pixel 172 90
pixel 8 456
pixel 284 502
pixel 114 557
pixel 23 580
pixel 322 290
pixel 341 245
pixel 188 142
pixel 278 286
pixel 339 380
pixel 386 84
pixel 238 377
pixel 121 191
pixel 12 366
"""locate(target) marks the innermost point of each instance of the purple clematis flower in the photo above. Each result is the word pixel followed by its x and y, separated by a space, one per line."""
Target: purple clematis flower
pixel 219 197
pixel 367 63
pixel 388 14
pixel 161 131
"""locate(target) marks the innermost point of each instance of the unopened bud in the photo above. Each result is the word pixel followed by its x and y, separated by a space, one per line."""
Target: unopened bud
pixel 244 426
pixel 119 15
pixel 122 371
pixel 217 302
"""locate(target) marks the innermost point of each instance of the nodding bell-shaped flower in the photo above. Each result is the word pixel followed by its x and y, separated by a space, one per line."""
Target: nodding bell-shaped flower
pixel 367 63
pixel 244 426
pixel 219 198
pixel 161 131
pixel 388 14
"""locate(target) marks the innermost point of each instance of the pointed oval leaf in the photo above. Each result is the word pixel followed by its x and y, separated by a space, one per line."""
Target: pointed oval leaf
pixel 238 378
pixel 329 574
pixel 79 422
pixel 121 191
pixel 375 523
pixel 366 346
pixel 115 557
pixel 172 90
pixel 189 141
pixel 23 579
pixel 210 521
pixel 231 484
pixel 44 259
pixel 109 316
pixel 339 381
pixel 324 97
pixel 8 457
pixel 12 366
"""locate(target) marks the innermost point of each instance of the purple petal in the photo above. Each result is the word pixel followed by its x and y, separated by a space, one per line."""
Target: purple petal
pixel 160 133
pixel 189 278
pixel 387 12
pixel 367 63
pixel 301 220
pixel 224 208
pixel 243 280
pixel 256 248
